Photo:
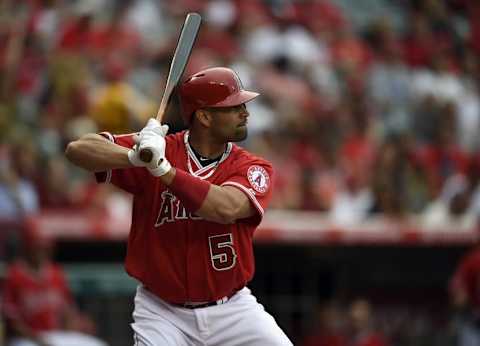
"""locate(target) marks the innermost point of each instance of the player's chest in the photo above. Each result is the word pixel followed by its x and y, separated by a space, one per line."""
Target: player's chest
pixel 185 157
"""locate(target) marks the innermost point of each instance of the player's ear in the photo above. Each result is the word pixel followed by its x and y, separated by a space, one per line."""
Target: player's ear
pixel 203 117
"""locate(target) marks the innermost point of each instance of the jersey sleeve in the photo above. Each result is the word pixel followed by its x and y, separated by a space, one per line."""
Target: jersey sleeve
pixel 254 178
pixel 129 179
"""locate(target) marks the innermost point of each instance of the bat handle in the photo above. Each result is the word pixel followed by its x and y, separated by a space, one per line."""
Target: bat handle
pixel 146 155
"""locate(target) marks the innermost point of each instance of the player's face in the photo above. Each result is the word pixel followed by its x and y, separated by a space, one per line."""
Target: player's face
pixel 230 123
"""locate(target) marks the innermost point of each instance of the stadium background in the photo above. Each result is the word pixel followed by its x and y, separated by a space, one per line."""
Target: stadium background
pixel 370 112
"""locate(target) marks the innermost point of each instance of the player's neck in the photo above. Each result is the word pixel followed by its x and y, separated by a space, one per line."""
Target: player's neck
pixel 206 147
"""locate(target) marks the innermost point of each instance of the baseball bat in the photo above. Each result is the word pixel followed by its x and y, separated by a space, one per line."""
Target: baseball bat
pixel 177 66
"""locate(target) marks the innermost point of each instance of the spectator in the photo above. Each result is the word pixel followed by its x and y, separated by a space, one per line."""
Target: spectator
pixel 351 203
pixel 57 191
pixel 328 328
pixel 18 197
pixel 37 301
pixel 442 158
pixel 451 210
pixel 464 288
pixel 363 330
pixel 388 83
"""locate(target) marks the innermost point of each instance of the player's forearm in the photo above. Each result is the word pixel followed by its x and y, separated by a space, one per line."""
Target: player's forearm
pixel 95 153
pixel 225 205
pixel 212 202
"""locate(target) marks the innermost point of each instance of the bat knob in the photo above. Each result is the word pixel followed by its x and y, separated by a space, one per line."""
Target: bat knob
pixel 146 155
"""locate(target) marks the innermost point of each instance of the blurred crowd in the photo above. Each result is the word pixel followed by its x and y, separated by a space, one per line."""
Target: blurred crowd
pixel 359 120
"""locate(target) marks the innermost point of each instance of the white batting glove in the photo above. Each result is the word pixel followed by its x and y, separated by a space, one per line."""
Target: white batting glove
pixel 153 144
pixel 153 128
pixel 134 157
pixel 163 168
pixel 134 153
pixel 159 165
pixel 156 166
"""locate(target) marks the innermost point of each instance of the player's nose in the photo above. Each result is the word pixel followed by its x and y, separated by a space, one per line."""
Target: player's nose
pixel 244 112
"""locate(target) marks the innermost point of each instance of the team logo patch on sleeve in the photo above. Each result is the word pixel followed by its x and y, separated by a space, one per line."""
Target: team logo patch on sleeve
pixel 258 178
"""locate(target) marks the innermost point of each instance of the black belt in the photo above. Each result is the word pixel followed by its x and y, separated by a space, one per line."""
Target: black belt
pixel 194 305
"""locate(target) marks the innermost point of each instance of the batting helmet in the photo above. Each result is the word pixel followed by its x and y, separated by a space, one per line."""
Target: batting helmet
pixel 213 87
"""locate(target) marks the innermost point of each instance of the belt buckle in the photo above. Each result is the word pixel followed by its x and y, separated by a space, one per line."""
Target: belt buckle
pixel 220 301
pixel 195 306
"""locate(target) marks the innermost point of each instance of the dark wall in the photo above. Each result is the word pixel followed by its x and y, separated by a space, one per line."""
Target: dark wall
pixel 291 281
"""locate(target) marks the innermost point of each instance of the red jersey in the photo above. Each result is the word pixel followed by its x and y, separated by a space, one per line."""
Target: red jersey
pixel 467 277
pixel 178 255
pixel 39 300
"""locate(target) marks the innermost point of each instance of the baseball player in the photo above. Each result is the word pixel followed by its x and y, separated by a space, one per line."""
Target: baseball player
pixel 195 208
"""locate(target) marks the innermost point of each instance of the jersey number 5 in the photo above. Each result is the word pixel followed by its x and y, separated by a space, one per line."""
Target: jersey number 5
pixel 222 251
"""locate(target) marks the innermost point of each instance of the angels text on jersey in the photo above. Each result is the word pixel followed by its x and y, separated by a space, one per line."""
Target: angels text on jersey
pixel 171 210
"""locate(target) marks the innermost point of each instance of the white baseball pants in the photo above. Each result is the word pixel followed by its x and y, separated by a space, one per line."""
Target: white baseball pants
pixel 241 321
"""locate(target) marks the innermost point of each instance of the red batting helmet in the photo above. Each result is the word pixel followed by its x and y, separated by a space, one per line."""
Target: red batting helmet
pixel 213 87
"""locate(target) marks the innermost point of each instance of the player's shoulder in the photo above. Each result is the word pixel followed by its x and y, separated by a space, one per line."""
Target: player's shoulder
pixel 177 137
pixel 242 156
pixel 175 141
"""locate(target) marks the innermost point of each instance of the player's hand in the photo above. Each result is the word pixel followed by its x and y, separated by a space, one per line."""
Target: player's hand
pixel 159 165
pixel 134 155
pixel 153 128
pixel 156 144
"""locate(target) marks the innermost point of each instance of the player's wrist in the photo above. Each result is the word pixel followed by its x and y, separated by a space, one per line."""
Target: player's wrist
pixel 163 168
pixel 191 190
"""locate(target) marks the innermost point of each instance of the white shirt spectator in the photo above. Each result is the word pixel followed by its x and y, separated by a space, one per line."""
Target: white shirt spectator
pixel 351 207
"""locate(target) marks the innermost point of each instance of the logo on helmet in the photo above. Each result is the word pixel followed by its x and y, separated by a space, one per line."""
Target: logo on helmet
pixel 258 178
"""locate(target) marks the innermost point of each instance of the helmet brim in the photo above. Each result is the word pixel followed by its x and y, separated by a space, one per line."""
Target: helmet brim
pixel 243 96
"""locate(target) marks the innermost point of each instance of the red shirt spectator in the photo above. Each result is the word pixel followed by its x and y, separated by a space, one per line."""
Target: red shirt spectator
pixel 440 163
pixel 37 299
pixel 364 331
pixel 373 339
pixel 325 340
pixel 419 45
pixel 474 13
pixel 76 36
pixel 36 296
pixel 319 16
pixel 465 283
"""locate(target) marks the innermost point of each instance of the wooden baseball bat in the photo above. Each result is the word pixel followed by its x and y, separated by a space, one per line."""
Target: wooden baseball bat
pixel 177 66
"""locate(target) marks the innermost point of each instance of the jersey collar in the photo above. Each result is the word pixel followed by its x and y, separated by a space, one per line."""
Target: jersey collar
pixel 207 171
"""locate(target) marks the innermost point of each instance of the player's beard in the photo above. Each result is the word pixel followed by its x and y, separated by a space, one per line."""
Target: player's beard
pixel 241 134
